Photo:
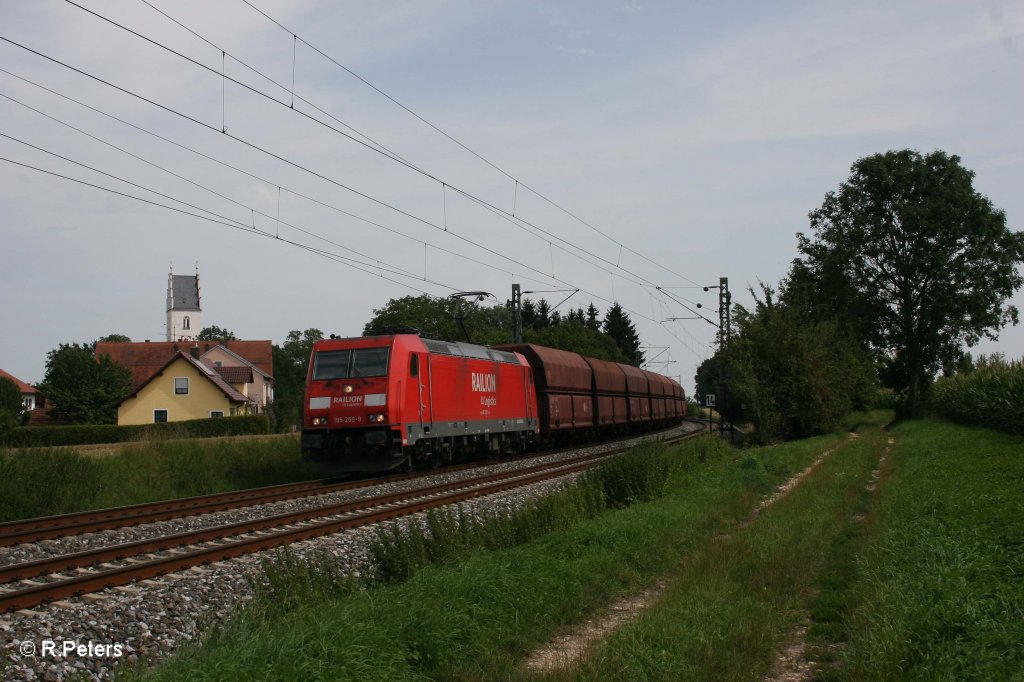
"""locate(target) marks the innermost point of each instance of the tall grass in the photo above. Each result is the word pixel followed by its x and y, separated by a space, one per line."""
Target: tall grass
pixel 44 482
pixel 992 395
pixel 642 474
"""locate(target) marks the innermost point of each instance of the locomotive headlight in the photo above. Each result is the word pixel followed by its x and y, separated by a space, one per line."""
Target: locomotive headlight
pixel 348 389
pixel 319 421
pixel 378 418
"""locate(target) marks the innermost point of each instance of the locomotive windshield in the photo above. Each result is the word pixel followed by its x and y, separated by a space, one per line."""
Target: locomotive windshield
pixel 350 364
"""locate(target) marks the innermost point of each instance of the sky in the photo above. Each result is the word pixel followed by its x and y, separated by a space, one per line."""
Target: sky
pixel 325 157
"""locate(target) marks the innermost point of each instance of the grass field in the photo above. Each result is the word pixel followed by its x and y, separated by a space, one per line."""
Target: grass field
pixel 41 482
pixel 941 590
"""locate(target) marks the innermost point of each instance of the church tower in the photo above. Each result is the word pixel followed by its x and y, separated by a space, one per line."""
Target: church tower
pixel 184 316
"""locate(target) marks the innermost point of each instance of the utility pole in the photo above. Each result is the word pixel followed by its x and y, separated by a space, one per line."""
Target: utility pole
pixel 516 306
pixel 724 305
pixel 725 335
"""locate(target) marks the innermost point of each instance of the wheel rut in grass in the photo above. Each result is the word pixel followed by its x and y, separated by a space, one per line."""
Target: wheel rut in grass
pixel 797 661
pixel 568 648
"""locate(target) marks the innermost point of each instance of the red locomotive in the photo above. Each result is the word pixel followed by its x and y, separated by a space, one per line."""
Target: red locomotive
pixel 384 402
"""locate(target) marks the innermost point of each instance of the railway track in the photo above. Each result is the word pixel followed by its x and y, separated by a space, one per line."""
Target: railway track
pixel 63 525
pixel 29 584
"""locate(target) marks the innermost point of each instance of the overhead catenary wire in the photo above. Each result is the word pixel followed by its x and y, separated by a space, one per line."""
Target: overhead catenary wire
pixel 271 154
pixel 227 223
pixel 375 146
pixel 374 262
pixel 269 183
pixel 256 147
pixel 412 216
pixel 198 185
pixel 467 148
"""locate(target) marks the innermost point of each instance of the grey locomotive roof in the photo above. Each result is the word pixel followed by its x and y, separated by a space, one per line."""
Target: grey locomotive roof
pixel 469 350
pixel 185 292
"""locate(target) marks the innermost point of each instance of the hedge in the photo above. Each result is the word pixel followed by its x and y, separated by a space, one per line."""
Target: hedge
pixel 84 434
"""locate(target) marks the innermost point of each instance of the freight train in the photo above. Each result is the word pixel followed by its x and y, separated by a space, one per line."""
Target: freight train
pixel 381 403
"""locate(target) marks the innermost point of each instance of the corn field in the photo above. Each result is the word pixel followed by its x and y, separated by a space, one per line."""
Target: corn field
pixel 992 395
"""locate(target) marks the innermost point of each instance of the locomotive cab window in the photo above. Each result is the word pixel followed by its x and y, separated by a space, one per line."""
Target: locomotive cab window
pixel 369 362
pixel 331 364
pixel 350 364
pixel 414 365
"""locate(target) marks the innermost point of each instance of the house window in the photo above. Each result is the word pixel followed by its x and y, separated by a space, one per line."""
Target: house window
pixel 184 322
pixel 159 416
pixel 218 363
pixel 217 413
pixel 181 385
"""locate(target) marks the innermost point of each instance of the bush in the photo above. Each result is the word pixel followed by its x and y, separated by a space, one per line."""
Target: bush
pixel 85 434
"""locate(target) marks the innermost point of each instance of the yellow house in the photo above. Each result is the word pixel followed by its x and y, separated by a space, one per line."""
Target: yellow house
pixel 182 389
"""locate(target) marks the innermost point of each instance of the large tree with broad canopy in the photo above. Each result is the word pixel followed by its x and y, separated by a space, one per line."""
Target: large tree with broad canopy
pixel 913 258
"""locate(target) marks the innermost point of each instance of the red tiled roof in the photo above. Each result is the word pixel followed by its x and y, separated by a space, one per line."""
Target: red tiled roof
pixel 235 375
pixel 22 386
pixel 41 417
pixel 146 358
pixel 207 372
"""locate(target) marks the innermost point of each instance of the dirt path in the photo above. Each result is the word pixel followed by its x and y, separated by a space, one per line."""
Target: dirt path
pixel 566 649
pixel 795 663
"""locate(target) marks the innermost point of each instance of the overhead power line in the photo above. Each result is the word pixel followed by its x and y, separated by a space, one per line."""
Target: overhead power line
pixel 494 209
pixel 479 156
pixel 278 157
pixel 271 154
pixel 375 146
pixel 222 221
pixel 269 183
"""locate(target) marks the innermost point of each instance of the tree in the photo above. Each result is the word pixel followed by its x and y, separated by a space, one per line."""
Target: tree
pixel 543 317
pixel 915 260
pixel 82 388
pixel 435 319
pixel 791 375
pixel 291 361
pixel 215 333
pixel 11 405
pixel 618 326
pixel 114 338
pixel 592 321
pixel 529 314
pixel 575 337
